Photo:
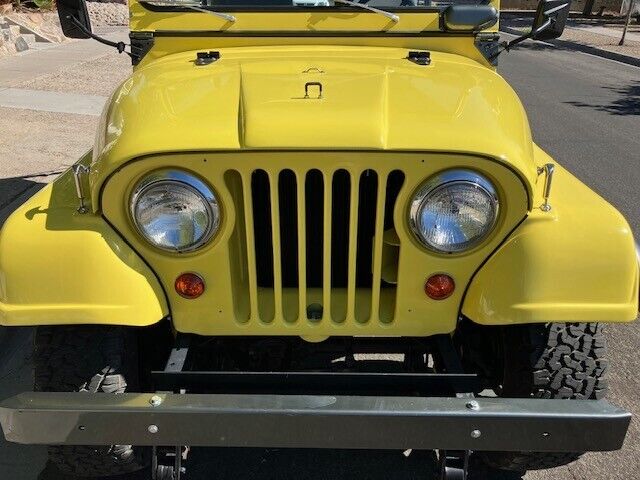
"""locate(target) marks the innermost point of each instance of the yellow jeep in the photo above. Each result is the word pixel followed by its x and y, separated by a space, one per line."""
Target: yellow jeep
pixel 317 224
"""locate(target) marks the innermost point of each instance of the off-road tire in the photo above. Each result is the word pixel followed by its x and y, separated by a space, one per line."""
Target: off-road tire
pixel 558 360
pixel 92 359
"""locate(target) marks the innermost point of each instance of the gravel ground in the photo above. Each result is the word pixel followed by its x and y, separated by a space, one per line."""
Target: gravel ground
pixel 608 43
pixel 95 77
pixel 108 14
pixel 42 141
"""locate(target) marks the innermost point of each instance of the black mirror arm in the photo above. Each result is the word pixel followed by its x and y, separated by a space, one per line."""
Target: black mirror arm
pixel 532 34
pixel 120 46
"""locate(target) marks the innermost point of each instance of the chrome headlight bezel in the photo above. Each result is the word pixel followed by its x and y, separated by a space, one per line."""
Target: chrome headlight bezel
pixel 442 180
pixel 192 183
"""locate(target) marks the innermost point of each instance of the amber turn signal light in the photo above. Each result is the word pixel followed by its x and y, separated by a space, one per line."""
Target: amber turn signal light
pixel 439 286
pixel 189 285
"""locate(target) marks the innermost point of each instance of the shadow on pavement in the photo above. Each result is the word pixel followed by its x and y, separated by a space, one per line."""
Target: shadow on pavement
pixel 285 464
pixel 627 104
pixel 17 462
pixel 11 188
pixel 13 192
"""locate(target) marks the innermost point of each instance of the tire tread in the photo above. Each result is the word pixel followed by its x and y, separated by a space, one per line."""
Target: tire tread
pixel 561 360
pixel 91 359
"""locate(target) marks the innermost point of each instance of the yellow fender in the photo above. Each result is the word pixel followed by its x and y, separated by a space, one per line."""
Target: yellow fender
pixel 58 266
pixel 575 263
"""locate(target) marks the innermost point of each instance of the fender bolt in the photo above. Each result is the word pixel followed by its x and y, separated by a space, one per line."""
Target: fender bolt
pixel 476 434
pixel 153 429
pixel 155 400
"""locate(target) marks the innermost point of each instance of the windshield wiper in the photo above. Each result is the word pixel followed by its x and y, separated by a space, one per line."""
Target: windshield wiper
pixel 351 3
pixel 389 15
pixel 192 6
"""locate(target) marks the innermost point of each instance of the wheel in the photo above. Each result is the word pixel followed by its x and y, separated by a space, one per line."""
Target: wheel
pixel 557 360
pixel 95 359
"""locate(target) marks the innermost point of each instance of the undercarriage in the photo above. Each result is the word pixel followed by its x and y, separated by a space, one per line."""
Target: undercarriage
pixel 343 393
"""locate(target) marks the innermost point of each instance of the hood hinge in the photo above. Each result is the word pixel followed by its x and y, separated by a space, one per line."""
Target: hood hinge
pixel 488 44
pixel 141 43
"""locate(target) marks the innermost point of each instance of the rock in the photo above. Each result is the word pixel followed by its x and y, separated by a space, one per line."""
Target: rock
pixel 14 31
pixel 36 18
pixel 21 44
pixel 108 14
pixel 30 38
pixel 6 8
pixel 45 26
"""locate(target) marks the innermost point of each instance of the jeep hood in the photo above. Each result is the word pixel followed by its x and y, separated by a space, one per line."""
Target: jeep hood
pixel 255 98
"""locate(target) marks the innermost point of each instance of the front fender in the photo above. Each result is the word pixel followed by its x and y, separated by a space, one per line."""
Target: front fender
pixel 58 266
pixel 575 263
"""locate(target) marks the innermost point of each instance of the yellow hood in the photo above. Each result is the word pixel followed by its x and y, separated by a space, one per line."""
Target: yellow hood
pixel 372 98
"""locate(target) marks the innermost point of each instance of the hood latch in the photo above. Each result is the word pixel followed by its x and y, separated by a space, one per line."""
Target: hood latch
pixel 205 58
pixel 419 58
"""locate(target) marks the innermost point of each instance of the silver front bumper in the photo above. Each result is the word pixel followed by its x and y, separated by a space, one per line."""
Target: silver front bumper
pixel 314 421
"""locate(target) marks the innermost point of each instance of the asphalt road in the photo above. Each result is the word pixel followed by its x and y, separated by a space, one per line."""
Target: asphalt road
pixel 585 111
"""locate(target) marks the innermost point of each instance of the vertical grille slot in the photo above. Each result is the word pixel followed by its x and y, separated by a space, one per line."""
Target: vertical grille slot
pixel 277 247
pixel 353 250
pixel 316 245
pixel 326 247
pixel 340 218
pixel 239 259
pixel 367 210
pixel 249 216
pixel 263 243
pixel 288 208
pixel 386 288
pixel 315 241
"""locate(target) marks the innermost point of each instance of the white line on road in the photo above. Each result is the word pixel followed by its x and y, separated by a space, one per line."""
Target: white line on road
pixel 56 102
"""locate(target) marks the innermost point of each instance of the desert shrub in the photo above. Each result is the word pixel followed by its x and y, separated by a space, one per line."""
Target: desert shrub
pixel 44 4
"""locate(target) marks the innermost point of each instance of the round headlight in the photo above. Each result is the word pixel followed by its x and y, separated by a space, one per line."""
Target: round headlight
pixel 454 211
pixel 175 211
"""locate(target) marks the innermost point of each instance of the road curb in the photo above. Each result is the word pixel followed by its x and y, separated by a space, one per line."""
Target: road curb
pixel 597 52
pixel 618 57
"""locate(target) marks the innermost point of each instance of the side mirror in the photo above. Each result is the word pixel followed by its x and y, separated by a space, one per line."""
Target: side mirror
pixel 548 24
pixel 550 19
pixel 469 18
pixel 74 18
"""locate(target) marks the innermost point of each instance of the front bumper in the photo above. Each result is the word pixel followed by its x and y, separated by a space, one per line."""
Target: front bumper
pixel 314 421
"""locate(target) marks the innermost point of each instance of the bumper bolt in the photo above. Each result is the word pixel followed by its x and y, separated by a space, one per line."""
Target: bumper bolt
pixel 473 405
pixel 153 429
pixel 476 434
pixel 155 400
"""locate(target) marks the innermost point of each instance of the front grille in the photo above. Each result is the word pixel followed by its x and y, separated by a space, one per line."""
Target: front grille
pixel 314 245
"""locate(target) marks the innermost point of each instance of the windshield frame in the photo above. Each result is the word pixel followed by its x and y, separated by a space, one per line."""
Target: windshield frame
pixel 292 21
pixel 343 8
